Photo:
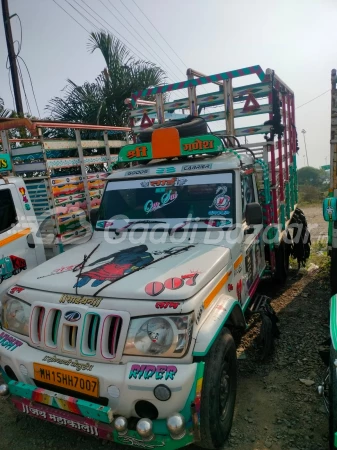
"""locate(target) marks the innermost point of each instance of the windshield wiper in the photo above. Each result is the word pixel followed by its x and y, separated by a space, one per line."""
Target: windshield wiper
pixel 182 225
pixel 139 221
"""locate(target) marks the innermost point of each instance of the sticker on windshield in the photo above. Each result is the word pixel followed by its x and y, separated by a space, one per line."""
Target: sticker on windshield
pixel 221 201
pixel 164 182
pixel 101 224
pixel 218 223
pixel 218 213
pixel 166 199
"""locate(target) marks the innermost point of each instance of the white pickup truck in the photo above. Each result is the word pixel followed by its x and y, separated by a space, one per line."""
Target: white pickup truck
pixel 129 336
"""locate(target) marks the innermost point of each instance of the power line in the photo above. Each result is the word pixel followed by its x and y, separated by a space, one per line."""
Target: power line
pixel 31 84
pixel 91 23
pixel 17 56
pixel 11 89
pixel 320 95
pixel 24 89
pixel 184 74
pixel 115 31
pixel 133 34
pixel 71 17
pixel 150 34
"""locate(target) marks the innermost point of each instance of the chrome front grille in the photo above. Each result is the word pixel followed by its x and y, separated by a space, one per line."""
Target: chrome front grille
pixel 87 334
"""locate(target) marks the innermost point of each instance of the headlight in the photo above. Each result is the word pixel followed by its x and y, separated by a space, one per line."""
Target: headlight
pixel 15 315
pixel 159 336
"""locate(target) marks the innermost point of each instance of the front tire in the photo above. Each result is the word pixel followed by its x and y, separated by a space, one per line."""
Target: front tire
pixel 332 398
pixel 218 392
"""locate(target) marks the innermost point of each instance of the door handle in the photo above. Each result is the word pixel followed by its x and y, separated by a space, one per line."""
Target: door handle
pixel 30 241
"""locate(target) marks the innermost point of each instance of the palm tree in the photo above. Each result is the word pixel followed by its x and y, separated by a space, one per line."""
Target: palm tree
pixel 3 112
pixel 102 102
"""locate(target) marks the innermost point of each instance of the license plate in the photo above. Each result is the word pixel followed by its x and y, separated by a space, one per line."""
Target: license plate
pixel 84 384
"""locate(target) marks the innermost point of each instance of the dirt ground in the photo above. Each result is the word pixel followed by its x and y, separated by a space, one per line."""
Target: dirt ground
pixel 274 408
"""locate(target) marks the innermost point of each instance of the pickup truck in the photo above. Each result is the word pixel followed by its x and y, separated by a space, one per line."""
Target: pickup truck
pixel 131 336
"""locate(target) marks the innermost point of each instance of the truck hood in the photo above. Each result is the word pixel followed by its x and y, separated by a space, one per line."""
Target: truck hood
pixel 130 271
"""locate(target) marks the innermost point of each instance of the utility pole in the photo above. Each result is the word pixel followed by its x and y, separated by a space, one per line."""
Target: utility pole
pixel 12 57
pixel 305 145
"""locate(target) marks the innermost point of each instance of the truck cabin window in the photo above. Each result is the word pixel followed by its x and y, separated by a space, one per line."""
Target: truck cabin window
pixel 8 216
pixel 173 199
pixel 247 193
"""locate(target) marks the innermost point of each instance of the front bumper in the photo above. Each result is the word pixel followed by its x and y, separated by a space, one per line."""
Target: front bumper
pixel 132 382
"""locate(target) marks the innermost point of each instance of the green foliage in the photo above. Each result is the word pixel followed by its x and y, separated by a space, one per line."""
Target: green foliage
pixel 311 176
pixel 4 112
pixel 313 185
pixel 102 102
pixel 309 194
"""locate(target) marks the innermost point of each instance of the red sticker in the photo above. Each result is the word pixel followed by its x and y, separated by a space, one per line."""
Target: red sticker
pixel 154 288
pixel 16 289
pixel 165 305
pixel 190 278
pixel 174 283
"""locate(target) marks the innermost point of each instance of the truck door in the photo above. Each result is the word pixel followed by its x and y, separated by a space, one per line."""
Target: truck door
pixel 253 257
pixel 17 253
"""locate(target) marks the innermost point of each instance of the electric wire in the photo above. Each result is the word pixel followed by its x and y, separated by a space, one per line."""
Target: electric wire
pixel 184 74
pixel 71 16
pixel 24 89
pixel 121 37
pixel 158 32
pixel 11 89
pixel 31 83
pixel 97 28
pixel 318 96
pixel 136 37
pixel 88 20
pixel 17 57
pixel 115 31
pixel 151 37
pixel 151 50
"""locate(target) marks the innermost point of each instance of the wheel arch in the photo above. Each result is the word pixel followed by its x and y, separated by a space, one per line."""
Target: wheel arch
pixel 226 312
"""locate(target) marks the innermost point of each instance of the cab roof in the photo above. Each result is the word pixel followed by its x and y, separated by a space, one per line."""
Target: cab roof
pixel 200 163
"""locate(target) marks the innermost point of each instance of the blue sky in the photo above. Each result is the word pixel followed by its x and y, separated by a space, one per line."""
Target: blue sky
pixel 295 38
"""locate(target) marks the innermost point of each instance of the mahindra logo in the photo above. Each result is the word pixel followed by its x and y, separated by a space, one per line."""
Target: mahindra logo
pixel 72 316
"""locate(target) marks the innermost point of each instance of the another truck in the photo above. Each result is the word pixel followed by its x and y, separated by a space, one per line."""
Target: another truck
pixel 131 336
pixel 48 186
pixel 328 387
pixel 11 265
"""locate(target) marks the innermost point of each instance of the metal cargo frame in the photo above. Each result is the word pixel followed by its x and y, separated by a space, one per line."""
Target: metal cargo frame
pixel 275 158
pixel 47 188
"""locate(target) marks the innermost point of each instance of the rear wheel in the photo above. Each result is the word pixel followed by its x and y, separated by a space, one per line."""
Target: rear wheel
pixel 218 392
pixel 282 263
pixel 332 398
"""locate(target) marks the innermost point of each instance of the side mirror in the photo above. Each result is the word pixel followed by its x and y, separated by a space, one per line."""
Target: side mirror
pixel 254 214
pixel 94 216
pixel 330 209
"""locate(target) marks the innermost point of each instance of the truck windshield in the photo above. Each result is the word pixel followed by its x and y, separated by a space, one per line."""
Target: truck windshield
pixel 171 199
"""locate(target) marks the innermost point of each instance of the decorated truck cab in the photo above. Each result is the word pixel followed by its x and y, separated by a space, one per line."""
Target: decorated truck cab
pixel 130 336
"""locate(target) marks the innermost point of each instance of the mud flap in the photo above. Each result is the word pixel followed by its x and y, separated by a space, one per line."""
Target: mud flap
pixel 269 329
